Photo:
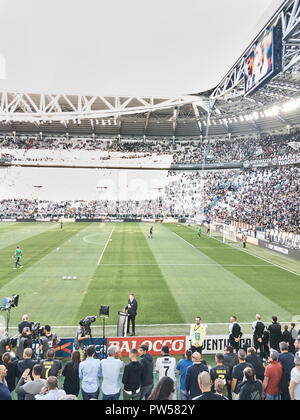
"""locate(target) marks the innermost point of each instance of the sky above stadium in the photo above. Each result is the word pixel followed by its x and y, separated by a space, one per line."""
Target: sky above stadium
pixel 124 47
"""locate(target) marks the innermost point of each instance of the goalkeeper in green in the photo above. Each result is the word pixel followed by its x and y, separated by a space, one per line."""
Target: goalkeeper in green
pixel 18 254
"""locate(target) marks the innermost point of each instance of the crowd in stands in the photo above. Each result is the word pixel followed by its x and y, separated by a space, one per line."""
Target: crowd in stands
pixel 190 151
pixel 267 198
pixel 270 370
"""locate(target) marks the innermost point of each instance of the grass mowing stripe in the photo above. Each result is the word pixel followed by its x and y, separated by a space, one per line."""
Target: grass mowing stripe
pixel 33 248
pixel 212 291
pixel 44 293
pixel 112 284
pixel 23 231
pixel 277 284
pixel 251 253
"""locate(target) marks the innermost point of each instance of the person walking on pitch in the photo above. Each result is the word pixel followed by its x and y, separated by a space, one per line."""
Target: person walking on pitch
pixel 199 232
pixel 17 255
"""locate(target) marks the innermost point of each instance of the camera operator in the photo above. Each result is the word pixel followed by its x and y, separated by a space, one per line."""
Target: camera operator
pixel 48 340
pixel 3 342
pixel 24 342
pixel 80 337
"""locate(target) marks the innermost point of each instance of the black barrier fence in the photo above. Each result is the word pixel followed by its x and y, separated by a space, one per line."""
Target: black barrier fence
pixel 280 249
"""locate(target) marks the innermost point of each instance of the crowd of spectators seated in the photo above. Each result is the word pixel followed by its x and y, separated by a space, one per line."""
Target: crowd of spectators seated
pixel 189 151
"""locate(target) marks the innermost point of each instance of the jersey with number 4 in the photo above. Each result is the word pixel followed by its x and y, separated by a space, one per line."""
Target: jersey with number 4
pixel 166 366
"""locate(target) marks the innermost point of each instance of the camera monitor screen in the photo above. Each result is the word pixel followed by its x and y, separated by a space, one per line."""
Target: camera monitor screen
pixel 264 62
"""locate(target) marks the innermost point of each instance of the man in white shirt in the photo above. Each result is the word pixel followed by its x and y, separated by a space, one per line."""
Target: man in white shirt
pixel 50 392
pixel 110 371
pixel 166 366
pixel 295 379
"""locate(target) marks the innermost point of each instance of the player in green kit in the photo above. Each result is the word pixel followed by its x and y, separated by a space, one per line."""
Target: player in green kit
pixel 61 224
pixel 199 232
pixel 18 254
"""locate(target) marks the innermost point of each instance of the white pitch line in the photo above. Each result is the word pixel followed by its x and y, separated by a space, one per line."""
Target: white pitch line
pixel 104 249
pixel 184 240
pixel 187 265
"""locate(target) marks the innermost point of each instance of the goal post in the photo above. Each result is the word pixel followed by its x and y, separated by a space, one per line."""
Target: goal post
pixel 224 233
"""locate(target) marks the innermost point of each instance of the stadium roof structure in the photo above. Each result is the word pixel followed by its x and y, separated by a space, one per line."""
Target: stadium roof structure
pixel 223 111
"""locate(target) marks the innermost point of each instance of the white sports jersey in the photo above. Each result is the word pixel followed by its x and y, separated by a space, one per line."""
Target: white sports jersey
pixel 166 366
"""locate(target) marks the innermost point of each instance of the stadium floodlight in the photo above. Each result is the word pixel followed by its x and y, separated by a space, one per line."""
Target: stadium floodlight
pixel 10 302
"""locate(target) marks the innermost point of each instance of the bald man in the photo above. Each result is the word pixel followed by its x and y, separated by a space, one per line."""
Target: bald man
pixel 192 373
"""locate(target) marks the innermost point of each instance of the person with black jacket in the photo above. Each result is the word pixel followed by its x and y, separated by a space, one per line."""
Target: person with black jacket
pixel 192 374
pixel 258 331
pixel 147 373
pixel 251 389
pixel 275 334
pixel 12 370
pixel 131 308
pixel 230 360
pixel 235 333
pixel 132 378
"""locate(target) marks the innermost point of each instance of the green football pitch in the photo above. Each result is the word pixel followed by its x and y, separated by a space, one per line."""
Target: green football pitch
pixel 175 276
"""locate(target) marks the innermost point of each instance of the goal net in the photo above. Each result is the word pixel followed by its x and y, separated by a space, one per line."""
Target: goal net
pixel 224 233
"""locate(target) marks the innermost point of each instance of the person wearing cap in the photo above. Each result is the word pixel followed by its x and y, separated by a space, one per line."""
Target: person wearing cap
pixel 295 379
pixel 166 366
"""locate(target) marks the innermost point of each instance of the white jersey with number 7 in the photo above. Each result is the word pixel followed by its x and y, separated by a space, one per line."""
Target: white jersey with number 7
pixel 166 366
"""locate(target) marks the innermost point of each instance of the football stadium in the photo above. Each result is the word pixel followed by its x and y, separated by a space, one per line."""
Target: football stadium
pixel 150 242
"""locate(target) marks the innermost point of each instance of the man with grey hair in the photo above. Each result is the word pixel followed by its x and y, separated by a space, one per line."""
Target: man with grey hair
pixel 110 371
pixel 295 379
pixel 273 375
pixel 238 373
pixel 286 359
pixel 205 384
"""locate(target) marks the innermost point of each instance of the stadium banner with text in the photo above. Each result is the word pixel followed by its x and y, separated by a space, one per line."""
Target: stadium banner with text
pixel 280 249
pixel 65 347
pixel 216 343
pixel 177 344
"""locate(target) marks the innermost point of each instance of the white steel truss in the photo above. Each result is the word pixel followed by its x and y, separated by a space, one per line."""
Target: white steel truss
pixel 288 16
pixel 26 107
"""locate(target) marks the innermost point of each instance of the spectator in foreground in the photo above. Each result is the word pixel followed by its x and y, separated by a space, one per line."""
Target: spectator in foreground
pixel 206 392
pixel 220 388
pixel 256 362
pixel 273 374
pixel 163 390
pixel 286 359
pixel 238 374
pixel 71 374
pixel 12 370
pixel 230 360
pixel 295 379
pixel 30 388
pixel 89 372
pixel 220 371
pixel 51 366
pixel 132 377
pixel 147 373
pixel 4 391
pixel 182 367
pixel 251 389
pixel 192 374
pixel 50 391
pixel 110 371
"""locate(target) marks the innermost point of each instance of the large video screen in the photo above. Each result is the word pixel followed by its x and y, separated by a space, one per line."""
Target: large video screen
pixel 264 62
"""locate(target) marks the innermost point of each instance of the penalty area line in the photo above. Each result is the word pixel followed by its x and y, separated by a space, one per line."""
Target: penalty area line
pixel 104 249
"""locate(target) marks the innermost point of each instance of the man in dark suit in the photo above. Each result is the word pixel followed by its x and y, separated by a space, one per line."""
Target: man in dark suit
pixel 131 308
